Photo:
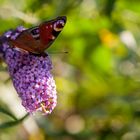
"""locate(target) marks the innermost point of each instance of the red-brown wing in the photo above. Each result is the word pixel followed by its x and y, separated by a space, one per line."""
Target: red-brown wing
pixel 50 30
pixel 25 41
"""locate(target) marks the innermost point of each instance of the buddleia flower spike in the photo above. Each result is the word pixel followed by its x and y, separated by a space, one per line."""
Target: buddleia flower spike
pixel 30 74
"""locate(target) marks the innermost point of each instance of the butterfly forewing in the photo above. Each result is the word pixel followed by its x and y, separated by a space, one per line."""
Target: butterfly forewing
pixel 49 30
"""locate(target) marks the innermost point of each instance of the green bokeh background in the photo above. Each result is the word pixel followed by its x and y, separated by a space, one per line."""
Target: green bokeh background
pixel 98 81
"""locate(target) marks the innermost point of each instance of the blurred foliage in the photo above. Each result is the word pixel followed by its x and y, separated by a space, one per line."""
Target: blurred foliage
pixel 98 80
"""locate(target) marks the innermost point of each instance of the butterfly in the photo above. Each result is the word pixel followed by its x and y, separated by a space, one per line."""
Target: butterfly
pixel 37 39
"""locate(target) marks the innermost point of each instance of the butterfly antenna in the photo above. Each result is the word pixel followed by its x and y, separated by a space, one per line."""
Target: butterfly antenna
pixel 58 52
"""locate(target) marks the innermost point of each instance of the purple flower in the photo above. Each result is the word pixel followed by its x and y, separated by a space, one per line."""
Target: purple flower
pixel 30 75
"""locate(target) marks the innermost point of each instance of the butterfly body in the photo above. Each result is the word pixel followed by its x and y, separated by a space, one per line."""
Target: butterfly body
pixel 37 39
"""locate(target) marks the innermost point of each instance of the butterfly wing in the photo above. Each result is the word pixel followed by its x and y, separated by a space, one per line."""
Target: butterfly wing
pixel 37 39
pixel 50 30
pixel 27 42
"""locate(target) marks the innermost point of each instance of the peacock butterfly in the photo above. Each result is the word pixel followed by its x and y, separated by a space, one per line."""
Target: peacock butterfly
pixel 37 39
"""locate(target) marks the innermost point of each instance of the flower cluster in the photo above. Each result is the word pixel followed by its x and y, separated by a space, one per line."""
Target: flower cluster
pixel 30 75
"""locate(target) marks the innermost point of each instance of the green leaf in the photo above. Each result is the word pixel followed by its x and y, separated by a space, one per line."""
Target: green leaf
pixel 12 123
pixel 2 110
